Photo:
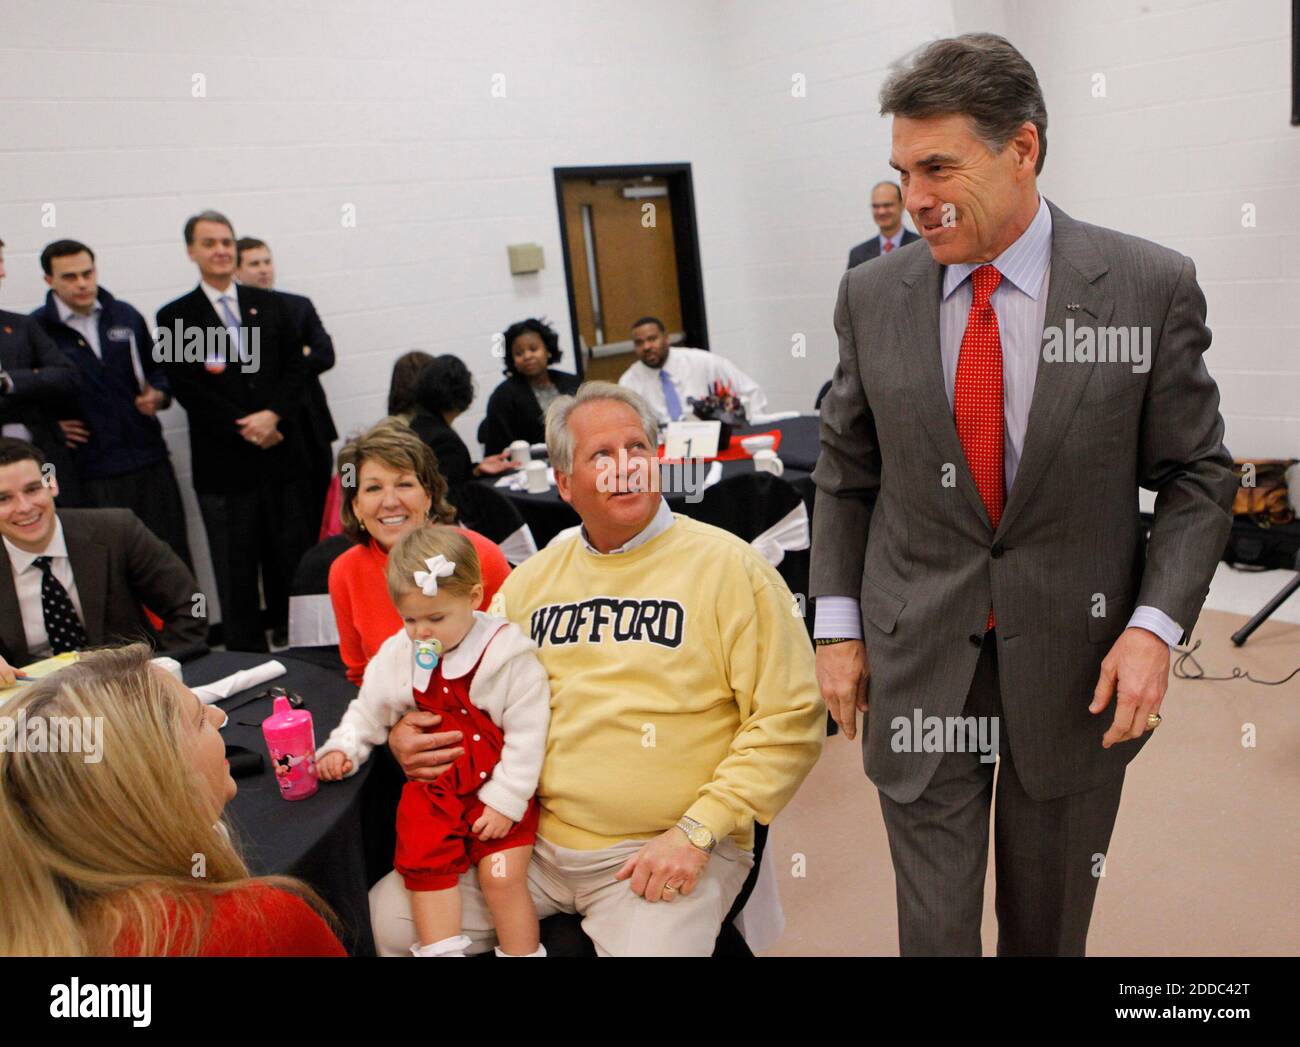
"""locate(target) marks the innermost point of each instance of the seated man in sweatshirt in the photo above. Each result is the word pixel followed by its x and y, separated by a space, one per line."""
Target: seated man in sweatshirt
pixel 684 705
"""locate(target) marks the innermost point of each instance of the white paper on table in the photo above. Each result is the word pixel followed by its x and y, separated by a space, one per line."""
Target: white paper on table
pixel 691 440
pixel 240 681
pixel 777 416
pixel 715 474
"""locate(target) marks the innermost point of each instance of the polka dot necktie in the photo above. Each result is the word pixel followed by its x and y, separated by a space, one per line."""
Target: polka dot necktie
pixel 977 397
pixel 62 625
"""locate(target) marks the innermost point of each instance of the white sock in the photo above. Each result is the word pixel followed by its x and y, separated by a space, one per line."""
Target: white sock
pixel 541 951
pixel 447 947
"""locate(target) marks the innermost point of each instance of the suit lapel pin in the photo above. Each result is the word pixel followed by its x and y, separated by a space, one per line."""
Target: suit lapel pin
pixel 1072 305
pixel 252 312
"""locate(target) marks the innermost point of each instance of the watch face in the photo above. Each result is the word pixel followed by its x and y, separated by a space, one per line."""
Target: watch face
pixel 701 837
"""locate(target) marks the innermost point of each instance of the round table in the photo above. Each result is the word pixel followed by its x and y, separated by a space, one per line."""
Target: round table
pixel 319 839
pixel 547 514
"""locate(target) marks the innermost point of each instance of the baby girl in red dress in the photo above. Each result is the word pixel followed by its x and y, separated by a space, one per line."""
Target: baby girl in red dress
pixel 482 676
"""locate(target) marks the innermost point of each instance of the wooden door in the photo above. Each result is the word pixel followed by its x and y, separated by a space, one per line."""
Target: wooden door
pixel 623 234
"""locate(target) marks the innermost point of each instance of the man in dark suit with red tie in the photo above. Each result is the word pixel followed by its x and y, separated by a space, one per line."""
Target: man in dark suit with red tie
pixel 236 366
pixel 887 213
pixel 985 594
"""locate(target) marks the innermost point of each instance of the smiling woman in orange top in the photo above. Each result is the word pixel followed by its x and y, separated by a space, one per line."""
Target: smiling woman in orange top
pixel 391 485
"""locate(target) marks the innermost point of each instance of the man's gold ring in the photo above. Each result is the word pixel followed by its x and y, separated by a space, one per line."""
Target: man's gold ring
pixel 1153 721
pixel 669 889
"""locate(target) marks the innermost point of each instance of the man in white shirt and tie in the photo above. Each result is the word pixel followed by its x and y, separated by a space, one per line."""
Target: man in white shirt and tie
pixel 77 578
pixel 248 461
pixel 665 376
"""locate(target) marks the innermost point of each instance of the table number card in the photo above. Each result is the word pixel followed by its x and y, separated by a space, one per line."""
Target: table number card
pixel 692 440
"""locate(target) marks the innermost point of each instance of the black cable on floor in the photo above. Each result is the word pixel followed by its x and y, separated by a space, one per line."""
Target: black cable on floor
pixel 1198 672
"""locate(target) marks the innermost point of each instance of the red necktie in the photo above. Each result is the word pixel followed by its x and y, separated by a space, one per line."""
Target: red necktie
pixel 889 246
pixel 977 397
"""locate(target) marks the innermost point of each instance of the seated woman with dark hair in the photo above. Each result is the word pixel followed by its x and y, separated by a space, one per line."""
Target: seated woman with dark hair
pixel 401 386
pixel 97 856
pixel 443 392
pixel 517 407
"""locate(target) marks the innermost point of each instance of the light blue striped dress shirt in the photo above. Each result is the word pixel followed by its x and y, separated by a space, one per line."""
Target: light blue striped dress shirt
pixel 1020 303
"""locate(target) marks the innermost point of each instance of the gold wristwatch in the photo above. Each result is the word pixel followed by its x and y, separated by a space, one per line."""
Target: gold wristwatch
pixel 699 834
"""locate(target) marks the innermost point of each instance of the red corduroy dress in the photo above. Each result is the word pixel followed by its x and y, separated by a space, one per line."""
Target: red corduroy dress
pixel 434 841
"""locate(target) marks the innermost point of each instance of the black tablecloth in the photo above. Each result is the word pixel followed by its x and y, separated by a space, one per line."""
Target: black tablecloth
pixel 547 514
pixel 320 839
pixel 800 440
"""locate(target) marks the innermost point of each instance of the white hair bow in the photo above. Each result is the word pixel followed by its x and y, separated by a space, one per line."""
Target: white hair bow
pixel 439 567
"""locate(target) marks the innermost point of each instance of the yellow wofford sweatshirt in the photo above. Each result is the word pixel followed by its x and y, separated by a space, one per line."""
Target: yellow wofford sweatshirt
pixel 682 682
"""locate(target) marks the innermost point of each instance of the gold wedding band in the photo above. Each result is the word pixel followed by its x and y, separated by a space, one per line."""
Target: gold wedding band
pixel 1153 721
pixel 669 889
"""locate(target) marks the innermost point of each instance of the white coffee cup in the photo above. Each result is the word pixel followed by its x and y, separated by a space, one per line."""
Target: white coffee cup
pixel 521 452
pixel 768 462
pixel 535 478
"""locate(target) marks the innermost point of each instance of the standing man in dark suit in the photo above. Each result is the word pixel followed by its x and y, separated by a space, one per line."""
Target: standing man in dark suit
pixel 236 366
pixel 121 457
pixel 38 385
pixel 977 511
pixel 76 578
pixel 887 213
pixel 256 268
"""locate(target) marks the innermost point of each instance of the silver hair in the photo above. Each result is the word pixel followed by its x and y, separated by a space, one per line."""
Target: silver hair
pixel 976 75
pixel 559 437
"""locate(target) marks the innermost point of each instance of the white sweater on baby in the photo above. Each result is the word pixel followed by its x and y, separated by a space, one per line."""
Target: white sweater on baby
pixel 510 686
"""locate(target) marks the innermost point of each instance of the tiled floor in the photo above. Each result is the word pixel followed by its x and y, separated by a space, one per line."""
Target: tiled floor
pixel 1205 858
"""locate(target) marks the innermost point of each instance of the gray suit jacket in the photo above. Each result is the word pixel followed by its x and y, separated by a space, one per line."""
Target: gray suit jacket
pixel 922 557
pixel 120 567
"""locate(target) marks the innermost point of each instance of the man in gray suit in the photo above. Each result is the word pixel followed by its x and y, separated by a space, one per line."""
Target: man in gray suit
pixel 77 578
pixel 977 521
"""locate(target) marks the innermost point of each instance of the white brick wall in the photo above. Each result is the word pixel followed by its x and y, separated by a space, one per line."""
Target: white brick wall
pixel 387 105
pixel 1194 125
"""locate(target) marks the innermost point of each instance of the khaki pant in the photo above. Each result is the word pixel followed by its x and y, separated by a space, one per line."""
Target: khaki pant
pixel 619 922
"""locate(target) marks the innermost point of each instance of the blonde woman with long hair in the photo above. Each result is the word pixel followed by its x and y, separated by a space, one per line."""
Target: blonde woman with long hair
pixel 123 851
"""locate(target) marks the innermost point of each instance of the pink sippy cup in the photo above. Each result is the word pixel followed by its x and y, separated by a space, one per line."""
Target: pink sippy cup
pixel 292 742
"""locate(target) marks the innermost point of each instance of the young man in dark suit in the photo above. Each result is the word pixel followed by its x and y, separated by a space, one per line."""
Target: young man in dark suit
pixel 256 268
pixel 887 213
pixel 236 366
pixel 121 457
pixel 77 578
pixel 38 385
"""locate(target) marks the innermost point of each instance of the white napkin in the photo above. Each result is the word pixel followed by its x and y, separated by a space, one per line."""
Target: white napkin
pixel 789 534
pixel 240 681
pixel 518 481
pixel 170 665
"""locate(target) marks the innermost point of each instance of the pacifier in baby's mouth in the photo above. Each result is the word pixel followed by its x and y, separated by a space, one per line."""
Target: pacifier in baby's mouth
pixel 427 653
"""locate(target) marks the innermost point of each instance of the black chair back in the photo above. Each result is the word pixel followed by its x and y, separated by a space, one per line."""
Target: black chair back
pixel 484 509
pixel 747 504
pixel 821 395
pixel 311 615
